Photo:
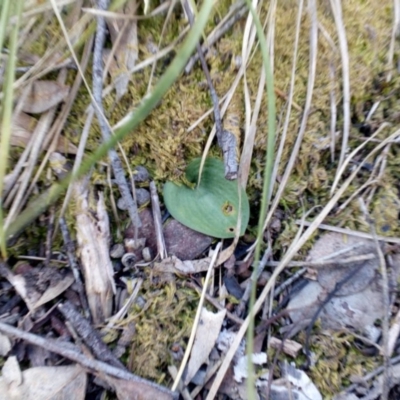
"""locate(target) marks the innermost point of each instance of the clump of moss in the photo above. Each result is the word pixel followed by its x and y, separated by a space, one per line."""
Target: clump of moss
pixel 164 318
pixel 336 360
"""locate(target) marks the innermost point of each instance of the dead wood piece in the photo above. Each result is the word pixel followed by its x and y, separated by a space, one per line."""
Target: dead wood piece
pixel 289 347
pixel 93 236
pixel 89 335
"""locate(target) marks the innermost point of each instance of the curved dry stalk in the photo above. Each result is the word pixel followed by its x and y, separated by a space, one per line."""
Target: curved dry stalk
pixel 344 53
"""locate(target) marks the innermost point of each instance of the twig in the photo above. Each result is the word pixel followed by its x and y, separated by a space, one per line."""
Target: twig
pixel 289 281
pixel 89 335
pixel 226 139
pixel 104 126
pixel 323 262
pixel 351 232
pixel 336 6
pixel 49 236
pixel 71 352
pixel 332 96
pixel 155 207
pixel 69 246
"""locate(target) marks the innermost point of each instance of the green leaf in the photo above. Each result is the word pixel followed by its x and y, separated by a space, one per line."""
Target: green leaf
pixel 212 207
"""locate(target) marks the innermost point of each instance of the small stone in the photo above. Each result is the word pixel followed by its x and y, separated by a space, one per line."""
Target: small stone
pixel 121 204
pixel 183 242
pixel 117 251
pixel 132 245
pixel 142 196
pixel 140 174
pixel 146 254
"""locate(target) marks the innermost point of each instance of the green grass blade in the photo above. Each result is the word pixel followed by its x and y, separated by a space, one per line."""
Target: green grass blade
pixel 7 104
pixel 4 16
pixel 37 206
pixel 269 163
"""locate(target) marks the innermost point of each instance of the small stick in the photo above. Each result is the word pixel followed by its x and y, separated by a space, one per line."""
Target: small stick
pixel 288 282
pixel 69 246
pixel 226 139
pixel 350 232
pixel 89 335
pixel 72 353
pixel 155 207
pixel 49 236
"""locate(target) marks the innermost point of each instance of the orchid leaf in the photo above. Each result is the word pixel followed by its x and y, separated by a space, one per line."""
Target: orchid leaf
pixel 212 207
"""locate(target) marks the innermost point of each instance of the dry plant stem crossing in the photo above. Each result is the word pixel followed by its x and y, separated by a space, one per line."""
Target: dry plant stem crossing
pixel 336 6
pixel 104 126
pixel 71 352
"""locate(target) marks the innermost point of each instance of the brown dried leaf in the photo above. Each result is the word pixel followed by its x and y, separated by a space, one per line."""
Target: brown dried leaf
pixel 44 95
pixel 50 383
